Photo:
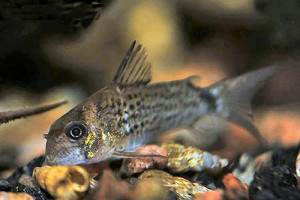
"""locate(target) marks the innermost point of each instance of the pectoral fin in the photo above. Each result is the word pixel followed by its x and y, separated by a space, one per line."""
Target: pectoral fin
pixel 204 133
pixel 134 154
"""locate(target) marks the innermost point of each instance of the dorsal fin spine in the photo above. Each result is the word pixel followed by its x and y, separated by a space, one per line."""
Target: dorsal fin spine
pixel 124 61
pixel 139 69
pixel 134 69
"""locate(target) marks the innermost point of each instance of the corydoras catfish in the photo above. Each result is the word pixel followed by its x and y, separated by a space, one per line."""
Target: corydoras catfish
pixel 126 114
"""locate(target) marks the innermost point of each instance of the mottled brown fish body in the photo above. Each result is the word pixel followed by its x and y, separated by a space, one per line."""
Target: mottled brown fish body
pixel 128 113
pixel 145 111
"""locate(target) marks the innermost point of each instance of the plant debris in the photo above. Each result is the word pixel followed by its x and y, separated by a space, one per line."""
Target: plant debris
pixel 6 116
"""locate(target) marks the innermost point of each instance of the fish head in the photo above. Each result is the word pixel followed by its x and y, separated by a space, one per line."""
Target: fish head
pixel 86 134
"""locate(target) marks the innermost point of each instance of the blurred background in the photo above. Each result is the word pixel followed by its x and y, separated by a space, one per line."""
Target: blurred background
pixel 67 49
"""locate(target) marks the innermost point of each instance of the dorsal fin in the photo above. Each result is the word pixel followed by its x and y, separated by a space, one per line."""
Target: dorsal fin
pixel 134 69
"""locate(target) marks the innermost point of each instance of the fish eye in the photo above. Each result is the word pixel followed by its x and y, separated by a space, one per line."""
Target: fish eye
pixel 76 130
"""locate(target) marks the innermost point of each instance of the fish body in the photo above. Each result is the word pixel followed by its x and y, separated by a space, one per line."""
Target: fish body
pixel 129 112
pixel 146 111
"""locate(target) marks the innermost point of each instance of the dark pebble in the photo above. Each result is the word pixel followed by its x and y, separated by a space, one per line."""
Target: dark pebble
pixel 274 183
pixel 203 178
pixel 5 185
pixel 11 182
pixel 37 193
pixel 285 156
pixel 27 169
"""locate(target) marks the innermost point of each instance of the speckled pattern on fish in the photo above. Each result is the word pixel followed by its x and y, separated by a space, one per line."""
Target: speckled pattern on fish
pixel 129 112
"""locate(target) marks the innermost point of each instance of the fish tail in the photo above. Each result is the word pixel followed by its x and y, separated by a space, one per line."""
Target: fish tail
pixel 233 98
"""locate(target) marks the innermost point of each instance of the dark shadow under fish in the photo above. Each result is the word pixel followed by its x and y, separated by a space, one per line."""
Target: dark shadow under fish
pixel 126 114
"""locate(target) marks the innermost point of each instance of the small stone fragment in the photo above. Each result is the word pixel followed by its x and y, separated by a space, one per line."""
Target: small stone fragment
pixel 199 189
pixel 66 182
pixel 4 185
pixel 167 179
pixel 183 188
pixel 15 196
pixel 136 165
pixel 245 169
pixel 263 160
pixel 110 188
pixel 234 188
pixel 211 195
pixel 298 166
pixel 149 189
pixel 182 159
pixel 27 181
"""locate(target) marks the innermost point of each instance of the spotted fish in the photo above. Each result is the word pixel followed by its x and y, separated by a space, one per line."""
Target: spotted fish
pixel 129 112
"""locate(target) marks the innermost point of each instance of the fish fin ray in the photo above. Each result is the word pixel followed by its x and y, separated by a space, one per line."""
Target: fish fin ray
pixel 242 121
pixel 134 69
pixel 133 154
pixel 233 98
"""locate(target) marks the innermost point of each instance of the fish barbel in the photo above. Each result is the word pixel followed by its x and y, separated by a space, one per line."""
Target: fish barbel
pixel 129 112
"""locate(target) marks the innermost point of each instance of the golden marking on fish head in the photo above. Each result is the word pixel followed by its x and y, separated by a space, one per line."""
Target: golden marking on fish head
pixel 91 145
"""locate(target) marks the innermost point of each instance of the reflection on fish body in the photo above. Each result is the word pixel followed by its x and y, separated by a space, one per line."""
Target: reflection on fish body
pixel 128 113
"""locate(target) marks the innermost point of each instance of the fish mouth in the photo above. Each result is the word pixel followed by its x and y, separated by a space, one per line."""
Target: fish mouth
pixel 70 156
pixel 70 160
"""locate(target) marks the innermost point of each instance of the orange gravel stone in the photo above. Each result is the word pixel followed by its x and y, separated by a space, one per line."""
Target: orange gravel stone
pixel 212 195
pixel 234 188
pixel 136 165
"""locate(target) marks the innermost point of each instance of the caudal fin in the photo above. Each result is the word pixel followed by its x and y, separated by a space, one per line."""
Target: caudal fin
pixel 233 98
